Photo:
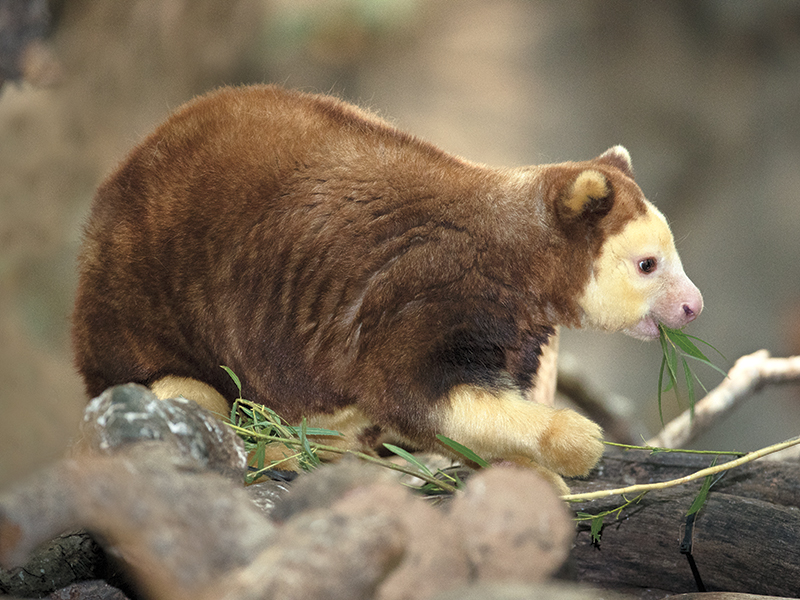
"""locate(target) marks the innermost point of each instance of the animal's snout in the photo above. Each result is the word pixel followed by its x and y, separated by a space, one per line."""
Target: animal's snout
pixel 691 306
pixel 689 312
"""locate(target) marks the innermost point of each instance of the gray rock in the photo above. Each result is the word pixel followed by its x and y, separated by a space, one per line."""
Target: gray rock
pixel 339 553
pixel 327 485
pixel 131 413
pixel 176 527
pixel 513 525
pixel 724 596
pixel 520 591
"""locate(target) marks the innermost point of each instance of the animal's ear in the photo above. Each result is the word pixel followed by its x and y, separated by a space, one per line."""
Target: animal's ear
pixel 589 194
pixel 617 157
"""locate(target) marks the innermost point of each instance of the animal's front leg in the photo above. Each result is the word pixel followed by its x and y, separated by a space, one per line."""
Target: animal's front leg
pixel 544 392
pixel 501 425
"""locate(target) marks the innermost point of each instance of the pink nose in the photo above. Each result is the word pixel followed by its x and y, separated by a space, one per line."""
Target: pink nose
pixel 680 307
pixel 691 315
pixel 692 308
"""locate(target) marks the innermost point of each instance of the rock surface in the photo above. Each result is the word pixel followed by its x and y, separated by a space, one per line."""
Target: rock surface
pixel 513 526
pixel 519 591
pixel 160 488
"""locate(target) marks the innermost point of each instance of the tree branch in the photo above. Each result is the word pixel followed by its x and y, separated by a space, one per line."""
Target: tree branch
pixel 750 373
pixel 647 487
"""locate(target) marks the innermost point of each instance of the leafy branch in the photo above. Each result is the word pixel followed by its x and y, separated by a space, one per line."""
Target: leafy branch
pixel 596 522
pixel 675 344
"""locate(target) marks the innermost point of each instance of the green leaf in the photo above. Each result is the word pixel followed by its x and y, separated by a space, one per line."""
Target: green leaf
pixel 660 384
pixel 682 341
pixel 462 450
pixel 596 528
pixel 670 359
pixel 707 344
pixel 672 366
pixel 675 344
pixel 409 458
pixel 687 373
pixel 235 412
pixel 233 376
pixel 261 449
pixel 710 364
pixel 702 495
pixel 309 458
pixel 312 431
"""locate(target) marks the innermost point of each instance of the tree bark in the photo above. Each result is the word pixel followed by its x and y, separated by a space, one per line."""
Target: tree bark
pixel 746 538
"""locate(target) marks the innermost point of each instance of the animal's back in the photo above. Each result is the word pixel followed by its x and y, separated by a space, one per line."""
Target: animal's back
pixel 286 236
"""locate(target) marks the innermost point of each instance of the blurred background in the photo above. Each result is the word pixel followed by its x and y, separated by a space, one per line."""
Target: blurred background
pixel 705 94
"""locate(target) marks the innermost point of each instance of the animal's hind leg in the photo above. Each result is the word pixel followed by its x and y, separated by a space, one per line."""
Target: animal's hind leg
pixel 503 425
pixel 206 396
pixel 209 398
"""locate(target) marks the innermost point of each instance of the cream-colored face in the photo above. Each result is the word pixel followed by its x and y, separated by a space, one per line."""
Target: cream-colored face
pixel 638 282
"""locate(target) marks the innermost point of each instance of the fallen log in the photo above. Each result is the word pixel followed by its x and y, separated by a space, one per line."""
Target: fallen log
pixel 746 537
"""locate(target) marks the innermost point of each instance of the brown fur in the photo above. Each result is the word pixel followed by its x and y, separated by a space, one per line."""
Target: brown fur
pixel 331 261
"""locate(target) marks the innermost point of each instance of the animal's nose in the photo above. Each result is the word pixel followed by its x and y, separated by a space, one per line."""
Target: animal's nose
pixel 689 312
pixel 692 308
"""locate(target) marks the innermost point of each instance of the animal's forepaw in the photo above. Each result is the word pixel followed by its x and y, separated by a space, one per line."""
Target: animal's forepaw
pixel 571 445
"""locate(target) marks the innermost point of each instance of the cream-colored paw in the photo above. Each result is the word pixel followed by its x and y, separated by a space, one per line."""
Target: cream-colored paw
pixel 503 425
pixel 571 444
pixel 206 396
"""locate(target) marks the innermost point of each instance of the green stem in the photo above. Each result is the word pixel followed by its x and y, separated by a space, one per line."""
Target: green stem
pixel 680 450
pixel 366 457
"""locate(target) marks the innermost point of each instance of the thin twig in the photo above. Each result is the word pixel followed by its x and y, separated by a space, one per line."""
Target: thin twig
pixel 661 449
pixel 646 487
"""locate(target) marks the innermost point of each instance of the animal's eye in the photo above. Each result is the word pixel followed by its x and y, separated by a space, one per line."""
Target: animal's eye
pixel 648 265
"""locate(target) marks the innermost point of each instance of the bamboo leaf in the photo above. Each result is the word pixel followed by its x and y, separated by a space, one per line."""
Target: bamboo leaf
pixel 688 376
pixel 462 450
pixel 595 524
pixel 672 365
pixel 409 458
pixel 670 358
pixel 660 383
pixel 700 383
pixel 261 450
pixel 235 412
pixel 707 344
pixel 312 431
pixel 702 495
pixel 233 376
pixel 309 459
pixel 709 364
pixel 596 529
pixel 676 344
pixel 682 341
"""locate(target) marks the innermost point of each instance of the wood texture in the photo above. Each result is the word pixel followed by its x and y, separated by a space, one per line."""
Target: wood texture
pixel 745 539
